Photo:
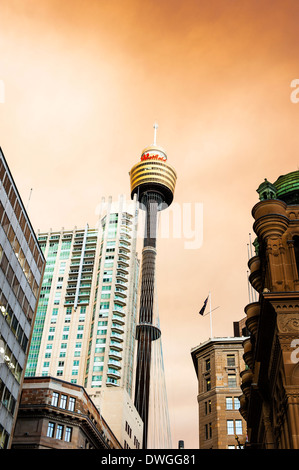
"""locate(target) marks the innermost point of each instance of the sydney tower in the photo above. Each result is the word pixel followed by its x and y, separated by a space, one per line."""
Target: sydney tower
pixel 153 181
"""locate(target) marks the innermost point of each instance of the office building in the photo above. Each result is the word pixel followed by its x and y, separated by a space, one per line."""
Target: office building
pixel 21 271
pixel 270 383
pixel 218 363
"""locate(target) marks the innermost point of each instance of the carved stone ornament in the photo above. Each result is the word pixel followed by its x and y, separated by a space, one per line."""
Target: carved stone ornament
pixel 288 323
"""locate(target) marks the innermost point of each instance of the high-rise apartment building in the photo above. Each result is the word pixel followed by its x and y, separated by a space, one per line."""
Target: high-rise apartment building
pixel 21 271
pixel 86 317
pixel 218 363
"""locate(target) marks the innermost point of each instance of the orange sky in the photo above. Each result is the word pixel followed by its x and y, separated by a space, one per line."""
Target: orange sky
pixel 84 83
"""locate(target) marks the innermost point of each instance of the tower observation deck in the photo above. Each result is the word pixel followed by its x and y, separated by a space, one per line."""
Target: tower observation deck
pixel 153 181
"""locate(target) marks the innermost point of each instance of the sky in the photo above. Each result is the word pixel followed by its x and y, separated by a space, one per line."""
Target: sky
pixel 81 85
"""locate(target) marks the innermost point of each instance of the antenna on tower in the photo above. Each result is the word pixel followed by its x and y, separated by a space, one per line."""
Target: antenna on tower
pixel 155 126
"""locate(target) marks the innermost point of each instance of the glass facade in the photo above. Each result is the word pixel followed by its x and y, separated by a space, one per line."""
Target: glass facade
pixel 21 271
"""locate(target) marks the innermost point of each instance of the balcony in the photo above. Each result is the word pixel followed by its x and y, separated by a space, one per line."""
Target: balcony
pixel 116 336
pixel 114 355
pixel 114 363
pixel 119 310
pixel 113 373
pixel 120 292
pixel 122 269
pixel 111 382
pixel 123 261
pixel 124 243
pixel 119 283
pixel 117 328
pixel 121 276
pixel 120 300
pixel 118 319
pixel 115 345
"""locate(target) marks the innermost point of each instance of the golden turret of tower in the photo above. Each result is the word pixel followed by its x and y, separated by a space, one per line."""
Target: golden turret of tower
pixel 153 174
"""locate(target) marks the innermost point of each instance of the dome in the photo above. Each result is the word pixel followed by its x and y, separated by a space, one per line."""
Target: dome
pixel 151 149
pixel 287 187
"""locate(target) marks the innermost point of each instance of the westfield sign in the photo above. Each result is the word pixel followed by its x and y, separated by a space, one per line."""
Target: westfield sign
pixel 153 156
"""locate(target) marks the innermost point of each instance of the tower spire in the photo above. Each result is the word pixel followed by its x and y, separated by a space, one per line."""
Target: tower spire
pixel 155 126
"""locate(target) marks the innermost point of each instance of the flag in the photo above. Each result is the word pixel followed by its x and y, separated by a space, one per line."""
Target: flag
pixel 201 312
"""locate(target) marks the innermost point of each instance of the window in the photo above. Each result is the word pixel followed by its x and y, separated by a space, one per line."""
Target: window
pixel 128 429
pixel 238 424
pixel 230 426
pixel 208 430
pixel 208 364
pixel 229 403
pixel 236 403
pixel 208 407
pixel 68 434
pixel 59 431
pixel 232 380
pixel 231 360
pixel 208 384
pixel 63 400
pixel 71 405
pixel 50 430
pixel 55 397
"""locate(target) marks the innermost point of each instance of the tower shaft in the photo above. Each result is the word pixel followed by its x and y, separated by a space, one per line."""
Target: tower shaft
pixel 146 331
pixel 153 182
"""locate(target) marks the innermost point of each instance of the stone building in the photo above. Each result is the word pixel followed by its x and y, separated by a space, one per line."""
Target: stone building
pixel 270 383
pixel 218 363
pixel 54 414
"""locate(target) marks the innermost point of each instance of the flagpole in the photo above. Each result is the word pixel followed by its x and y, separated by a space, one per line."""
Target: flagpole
pixel 211 314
